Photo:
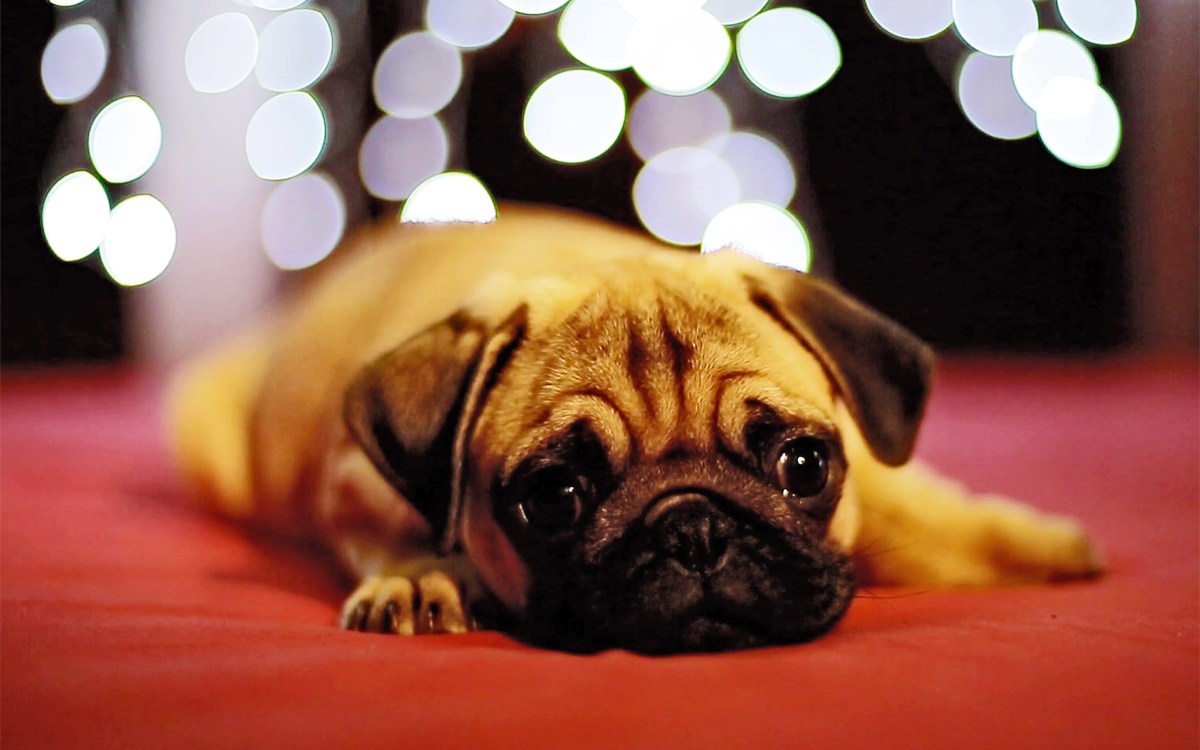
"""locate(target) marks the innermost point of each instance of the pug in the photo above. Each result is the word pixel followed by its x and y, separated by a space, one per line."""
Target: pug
pixel 562 429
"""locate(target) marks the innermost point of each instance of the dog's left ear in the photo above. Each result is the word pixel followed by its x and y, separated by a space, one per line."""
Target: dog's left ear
pixel 883 371
pixel 411 409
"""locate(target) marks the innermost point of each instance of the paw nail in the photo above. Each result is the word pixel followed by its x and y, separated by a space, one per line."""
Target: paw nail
pixel 360 616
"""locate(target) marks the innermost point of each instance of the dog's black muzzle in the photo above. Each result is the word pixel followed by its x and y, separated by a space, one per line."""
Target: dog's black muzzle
pixel 697 573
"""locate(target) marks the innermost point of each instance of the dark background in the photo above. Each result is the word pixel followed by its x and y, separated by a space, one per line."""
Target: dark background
pixel 52 311
pixel 974 243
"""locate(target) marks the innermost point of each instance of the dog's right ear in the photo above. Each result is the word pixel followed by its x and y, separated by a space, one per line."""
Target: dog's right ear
pixel 409 408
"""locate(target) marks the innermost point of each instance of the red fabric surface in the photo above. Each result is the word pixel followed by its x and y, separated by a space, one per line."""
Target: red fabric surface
pixel 130 620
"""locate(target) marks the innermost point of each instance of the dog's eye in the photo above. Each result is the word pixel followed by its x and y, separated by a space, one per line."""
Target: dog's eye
pixel 553 499
pixel 802 467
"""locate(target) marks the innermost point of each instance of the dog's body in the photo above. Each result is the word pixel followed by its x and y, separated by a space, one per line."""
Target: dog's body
pixel 592 440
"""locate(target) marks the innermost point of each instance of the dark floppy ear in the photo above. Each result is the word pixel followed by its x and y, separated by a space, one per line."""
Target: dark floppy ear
pixel 883 371
pixel 409 408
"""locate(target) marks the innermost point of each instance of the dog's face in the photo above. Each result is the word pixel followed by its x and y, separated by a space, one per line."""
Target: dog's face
pixel 650 460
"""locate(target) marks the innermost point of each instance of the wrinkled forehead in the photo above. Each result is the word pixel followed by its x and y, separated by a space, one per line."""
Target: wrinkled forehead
pixel 652 367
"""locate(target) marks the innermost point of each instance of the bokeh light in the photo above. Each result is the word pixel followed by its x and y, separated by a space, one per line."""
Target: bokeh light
pixel 989 98
pixel 733 12
pixel 1045 55
pixel 1100 21
pixel 278 4
pixel 75 215
pixel 1090 136
pixel 221 53
pixel 596 33
pixel 534 7
pixel 658 122
pixel 417 75
pixel 140 241
pixel 760 230
pixel 788 52
pixel 125 139
pixel 994 27
pixel 574 115
pixel 74 61
pixel 679 50
pixel 644 8
pixel 763 169
pixel 397 155
pixel 468 24
pixel 911 19
pixel 677 193
pixel 701 182
pixel 302 221
pixel 296 48
pixel 1068 98
pixel 447 198
pixel 285 136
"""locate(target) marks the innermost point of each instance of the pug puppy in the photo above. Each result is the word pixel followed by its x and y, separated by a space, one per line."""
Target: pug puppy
pixel 565 430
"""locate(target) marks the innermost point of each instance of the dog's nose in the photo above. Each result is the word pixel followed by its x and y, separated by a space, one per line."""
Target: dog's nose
pixel 692 531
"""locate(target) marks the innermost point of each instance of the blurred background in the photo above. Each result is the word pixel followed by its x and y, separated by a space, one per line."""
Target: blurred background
pixel 998 175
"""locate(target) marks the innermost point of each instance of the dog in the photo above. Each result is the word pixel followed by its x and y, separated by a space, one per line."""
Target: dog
pixel 564 430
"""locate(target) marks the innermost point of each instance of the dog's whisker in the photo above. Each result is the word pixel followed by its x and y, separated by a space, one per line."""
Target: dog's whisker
pixel 876 594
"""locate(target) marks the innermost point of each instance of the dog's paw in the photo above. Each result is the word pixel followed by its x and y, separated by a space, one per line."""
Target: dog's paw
pixel 1015 544
pixel 1058 549
pixel 427 604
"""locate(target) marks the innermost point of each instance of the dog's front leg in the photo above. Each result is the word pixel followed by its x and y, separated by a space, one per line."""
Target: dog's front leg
pixel 405 587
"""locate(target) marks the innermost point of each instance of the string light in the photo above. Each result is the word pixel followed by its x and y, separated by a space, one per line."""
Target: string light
pixel 679 50
pixel 397 155
pixel 449 197
pixel 596 33
pixel 989 98
pixel 911 19
pixel 1044 55
pixel 534 7
pixel 1100 21
pixel 140 241
pixel 285 136
pixel 74 61
pixel 763 169
pixel 278 4
pixel 221 53
pixel 788 52
pixel 658 122
pixel 644 8
pixel 574 116
pixel 733 12
pixel 125 139
pixel 469 24
pixel 678 192
pixel 416 76
pixel 302 221
pixel 1086 131
pixel 75 216
pixel 296 48
pixel 763 231
pixel 994 27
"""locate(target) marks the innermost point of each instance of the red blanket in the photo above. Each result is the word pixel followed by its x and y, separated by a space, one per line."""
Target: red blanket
pixel 130 620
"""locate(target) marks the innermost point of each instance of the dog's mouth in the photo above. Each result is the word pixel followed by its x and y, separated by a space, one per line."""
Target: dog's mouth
pixel 746 604
pixel 738 585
